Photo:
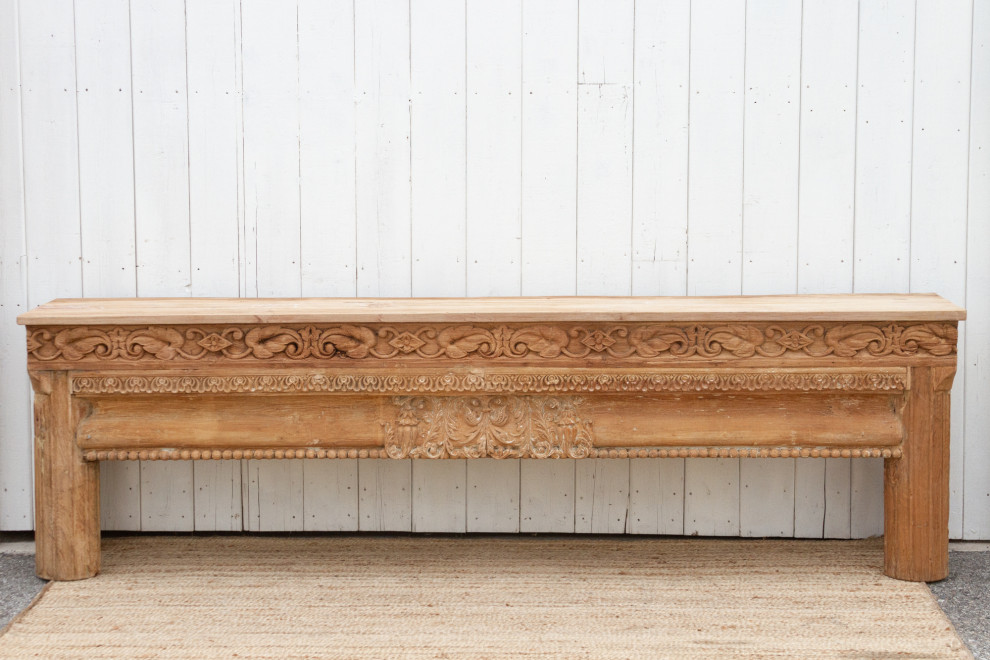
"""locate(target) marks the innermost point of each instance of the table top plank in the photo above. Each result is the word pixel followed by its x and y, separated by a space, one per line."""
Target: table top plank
pixel 820 307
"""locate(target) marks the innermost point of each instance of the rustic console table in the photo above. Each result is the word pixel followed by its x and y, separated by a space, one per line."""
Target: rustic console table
pixel 771 376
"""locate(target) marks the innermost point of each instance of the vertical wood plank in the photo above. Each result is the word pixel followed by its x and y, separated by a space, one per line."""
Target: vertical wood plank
pixel 15 398
pixel 656 496
pixel 326 148
pixel 604 137
pixel 106 199
pixel 437 143
pixel 604 206
pixel 661 101
pixel 715 201
pixel 493 495
pixel 381 75
pixel 546 496
pixel 214 146
pixel 385 495
pixel 330 496
pixel 494 148
pixel 826 219
pixel 493 198
pixel 882 236
pixel 605 42
pixel 711 500
pixel 549 147
pixel 439 498
pixel 276 488
pixel 660 148
pixel 838 498
pixel 214 103
pixel 167 497
pixel 976 366
pixel 601 502
pixel 939 185
pixel 50 150
pixel 217 499
pixel 766 497
pixel 270 51
pixel 769 234
pixel 106 172
pixel 161 207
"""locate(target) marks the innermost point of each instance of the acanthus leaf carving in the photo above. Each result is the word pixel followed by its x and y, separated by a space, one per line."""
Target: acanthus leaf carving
pixel 487 426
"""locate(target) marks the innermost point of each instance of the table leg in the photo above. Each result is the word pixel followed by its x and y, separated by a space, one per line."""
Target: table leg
pixel 916 486
pixel 66 488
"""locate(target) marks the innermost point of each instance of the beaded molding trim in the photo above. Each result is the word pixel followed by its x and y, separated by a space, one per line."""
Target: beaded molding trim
pixel 625 341
pixel 617 452
pixel 496 383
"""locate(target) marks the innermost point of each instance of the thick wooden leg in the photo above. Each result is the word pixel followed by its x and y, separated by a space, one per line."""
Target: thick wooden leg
pixel 66 488
pixel 916 486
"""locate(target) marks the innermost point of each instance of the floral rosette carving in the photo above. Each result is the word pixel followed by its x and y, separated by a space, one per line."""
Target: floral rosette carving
pixel 487 426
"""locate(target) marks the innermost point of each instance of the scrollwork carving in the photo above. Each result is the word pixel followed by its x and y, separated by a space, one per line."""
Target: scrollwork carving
pixel 630 342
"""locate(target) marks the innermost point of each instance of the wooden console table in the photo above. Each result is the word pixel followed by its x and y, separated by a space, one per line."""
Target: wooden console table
pixel 769 376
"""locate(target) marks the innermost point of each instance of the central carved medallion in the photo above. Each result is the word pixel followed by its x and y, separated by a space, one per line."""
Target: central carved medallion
pixel 487 426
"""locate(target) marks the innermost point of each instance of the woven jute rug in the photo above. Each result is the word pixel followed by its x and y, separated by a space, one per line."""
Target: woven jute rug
pixel 483 597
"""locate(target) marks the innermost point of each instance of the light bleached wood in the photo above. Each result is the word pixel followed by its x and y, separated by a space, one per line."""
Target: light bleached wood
pixel 656 496
pixel 601 496
pixel 67 489
pixel 351 421
pixel 330 496
pixel 439 496
pixel 546 496
pixel 916 307
pixel 916 487
pixel 493 495
pixel 385 495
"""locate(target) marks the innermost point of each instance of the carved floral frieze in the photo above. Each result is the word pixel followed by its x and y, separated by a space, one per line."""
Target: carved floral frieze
pixel 776 381
pixel 633 341
pixel 487 426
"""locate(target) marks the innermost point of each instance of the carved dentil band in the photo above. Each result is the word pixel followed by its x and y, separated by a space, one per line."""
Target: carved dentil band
pixel 632 341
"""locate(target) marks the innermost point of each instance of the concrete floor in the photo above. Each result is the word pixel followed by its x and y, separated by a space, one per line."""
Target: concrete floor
pixel 964 595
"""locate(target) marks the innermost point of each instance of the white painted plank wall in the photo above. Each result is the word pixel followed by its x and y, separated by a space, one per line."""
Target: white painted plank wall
pixel 400 147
